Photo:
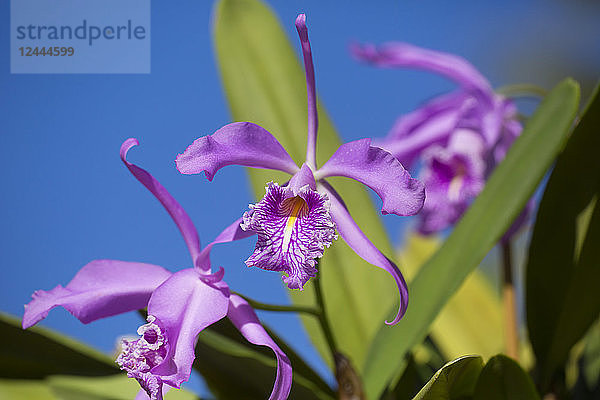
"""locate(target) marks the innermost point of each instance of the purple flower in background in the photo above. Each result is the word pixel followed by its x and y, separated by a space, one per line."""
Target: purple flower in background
pixel 453 175
pixel 458 137
pixel 179 304
pixel 296 222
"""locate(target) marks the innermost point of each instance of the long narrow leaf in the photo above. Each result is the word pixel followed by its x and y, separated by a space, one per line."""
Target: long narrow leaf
pixel 563 268
pixel 69 387
pixel 469 323
pixel 505 194
pixel 38 352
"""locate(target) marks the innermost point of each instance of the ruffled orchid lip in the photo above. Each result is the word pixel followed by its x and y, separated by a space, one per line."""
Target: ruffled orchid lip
pixel 139 357
pixel 294 227
pixel 214 277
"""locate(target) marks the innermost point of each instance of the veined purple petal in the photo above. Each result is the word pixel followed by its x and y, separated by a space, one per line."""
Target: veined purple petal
pixel 100 289
pixel 293 230
pixel 180 217
pixel 404 55
pixel 240 143
pixel 244 318
pixel 430 124
pixel 380 171
pixel 313 118
pixel 362 246
pixel 231 233
pixel 182 307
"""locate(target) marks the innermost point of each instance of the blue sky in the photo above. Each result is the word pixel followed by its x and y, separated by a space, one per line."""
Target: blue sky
pixel 66 198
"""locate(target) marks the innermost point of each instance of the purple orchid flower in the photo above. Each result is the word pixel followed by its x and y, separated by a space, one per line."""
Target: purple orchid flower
pixel 179 304
pixel 297 221
pixel 459 137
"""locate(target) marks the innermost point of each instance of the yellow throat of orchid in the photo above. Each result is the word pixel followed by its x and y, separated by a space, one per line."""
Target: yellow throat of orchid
pixel 293 208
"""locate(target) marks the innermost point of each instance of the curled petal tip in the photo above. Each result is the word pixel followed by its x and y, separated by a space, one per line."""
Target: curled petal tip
pixel 214 277
pixel 400 314
pixel 127 144
pixel 301 22
pixel 301 28
pixel 177 213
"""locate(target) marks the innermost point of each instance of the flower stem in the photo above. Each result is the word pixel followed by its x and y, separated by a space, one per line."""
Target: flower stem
pixel 275 307
pixel 323 321
pixel 511 327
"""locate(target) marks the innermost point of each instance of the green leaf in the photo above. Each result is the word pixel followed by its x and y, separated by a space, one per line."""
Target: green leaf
pixel 469 323
pixel 508 189
pixel 38 352
pixel 46 365
pixel 234 368
pixel 408 383
pixel 64 387
pixel 455 380
pixel 117 387
pixel 563 266
pixel 265 84
pixel 503 379
pixel 590 365
pixel 25 389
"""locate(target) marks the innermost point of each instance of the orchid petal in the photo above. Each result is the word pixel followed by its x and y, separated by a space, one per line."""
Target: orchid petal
pixel 302 178
pixel 408 123
pixel 491 120
pixel 183 306
pixel 453 175
pixel 240 143
pixel 510 130
pixel 100 289
pixel 362 246
pixel 313 118
pixel 245 320
pixel 380 171
pixel 231 233
pixel 430 124
pixel 177 213
pixel 405 55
